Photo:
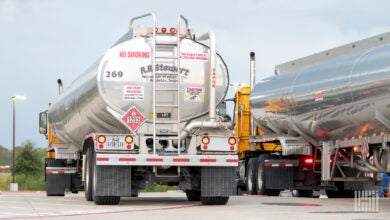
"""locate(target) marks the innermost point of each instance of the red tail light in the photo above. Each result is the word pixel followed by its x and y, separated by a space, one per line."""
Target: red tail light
pixel 308 161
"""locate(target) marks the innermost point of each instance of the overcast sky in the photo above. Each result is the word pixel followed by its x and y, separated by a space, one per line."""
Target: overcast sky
pixel 41 41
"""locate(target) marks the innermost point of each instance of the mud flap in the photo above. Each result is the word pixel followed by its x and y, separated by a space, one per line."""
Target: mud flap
pixel 218 181
pixel 56 184
pixel 113 181
pixel 279 177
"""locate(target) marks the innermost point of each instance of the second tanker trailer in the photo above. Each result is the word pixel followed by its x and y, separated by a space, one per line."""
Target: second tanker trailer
pixel 322 122
pixel 146 111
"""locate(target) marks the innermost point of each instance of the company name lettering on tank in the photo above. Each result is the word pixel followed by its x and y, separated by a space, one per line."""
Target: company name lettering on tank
pixel 147 70
pixel 134 54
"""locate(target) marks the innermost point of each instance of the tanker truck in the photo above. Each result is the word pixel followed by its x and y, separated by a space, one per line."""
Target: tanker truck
pixel 322 122
pixel 150 110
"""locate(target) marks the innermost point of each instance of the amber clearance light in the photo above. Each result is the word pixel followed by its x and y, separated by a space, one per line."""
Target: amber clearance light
pixel 232 141
pixel 129 139
pixel 205 140
pixel 102 139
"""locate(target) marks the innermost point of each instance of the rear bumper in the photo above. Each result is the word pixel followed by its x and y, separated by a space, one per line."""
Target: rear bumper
pixel 155 160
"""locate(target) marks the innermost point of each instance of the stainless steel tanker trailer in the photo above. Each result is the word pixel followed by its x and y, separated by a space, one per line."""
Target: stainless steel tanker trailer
pixel 321 122
pixel 147 111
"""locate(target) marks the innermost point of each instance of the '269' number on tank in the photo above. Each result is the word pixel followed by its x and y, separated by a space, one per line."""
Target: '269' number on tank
pixel 114 74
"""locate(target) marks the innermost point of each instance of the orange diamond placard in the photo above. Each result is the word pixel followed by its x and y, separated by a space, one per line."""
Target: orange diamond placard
pixel 133 119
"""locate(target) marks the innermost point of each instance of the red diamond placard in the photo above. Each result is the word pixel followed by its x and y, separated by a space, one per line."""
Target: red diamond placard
pixel 133 119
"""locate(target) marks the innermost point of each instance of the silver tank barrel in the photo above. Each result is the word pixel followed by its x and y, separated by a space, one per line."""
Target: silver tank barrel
pixel 345 97
pixel 121 80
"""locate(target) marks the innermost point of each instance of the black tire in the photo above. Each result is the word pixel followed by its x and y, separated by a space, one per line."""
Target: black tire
pixel 261 177
pixel 89 171
pixel 218 200
pixel 134 193
pixel 334 194
pixel 349 194
pixel 107 200
pixel 251 176
pixel 306 193
pixel 90 182
pixel 193 195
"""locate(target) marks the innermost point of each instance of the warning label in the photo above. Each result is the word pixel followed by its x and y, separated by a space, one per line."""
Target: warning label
pixel 194 56
pixel 133 119
pixel 133 93
pixel 194 94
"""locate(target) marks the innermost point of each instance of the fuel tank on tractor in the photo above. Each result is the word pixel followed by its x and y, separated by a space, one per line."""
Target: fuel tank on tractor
pixel 122 79
pixel 343 97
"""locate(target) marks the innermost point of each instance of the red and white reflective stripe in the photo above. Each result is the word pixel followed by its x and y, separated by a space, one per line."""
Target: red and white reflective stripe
pixel 208 160
pixel 127 159
pixel 154 160
pixel 350 138
pixel 58 172
pixel 181 160
pixel 377 134
pixel 102 159
pixel 278 164
pixel 150 160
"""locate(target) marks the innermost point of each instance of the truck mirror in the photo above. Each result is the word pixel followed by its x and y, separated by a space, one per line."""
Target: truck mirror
pixel 221 109
pixel 43 123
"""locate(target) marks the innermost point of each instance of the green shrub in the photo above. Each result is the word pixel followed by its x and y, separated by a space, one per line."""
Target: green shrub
pixel 158 188
pixel 5 180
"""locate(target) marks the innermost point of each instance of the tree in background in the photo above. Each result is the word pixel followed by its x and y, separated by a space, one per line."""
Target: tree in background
pixel 28 161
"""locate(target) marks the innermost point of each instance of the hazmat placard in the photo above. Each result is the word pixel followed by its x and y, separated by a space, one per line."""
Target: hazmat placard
pixel 133 118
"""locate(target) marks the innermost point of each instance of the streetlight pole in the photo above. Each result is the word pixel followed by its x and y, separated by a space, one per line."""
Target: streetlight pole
pixel 13 137
pixel 14 186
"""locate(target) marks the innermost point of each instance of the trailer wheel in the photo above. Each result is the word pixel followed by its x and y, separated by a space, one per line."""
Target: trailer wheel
pixel 306 193
pixel 218 200
pixel 251 176
pixel 193 195
pixel 89 170
pixel 107 200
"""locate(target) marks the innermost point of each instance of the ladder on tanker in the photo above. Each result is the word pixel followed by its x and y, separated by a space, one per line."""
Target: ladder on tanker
pixel 158 85
pixel 159 119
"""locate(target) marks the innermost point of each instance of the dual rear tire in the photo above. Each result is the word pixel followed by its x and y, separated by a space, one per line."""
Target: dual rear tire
pixel 90 182
pixel 256 178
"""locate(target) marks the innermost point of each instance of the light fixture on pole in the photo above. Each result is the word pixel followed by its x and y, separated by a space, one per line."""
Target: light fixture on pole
pixel 14 186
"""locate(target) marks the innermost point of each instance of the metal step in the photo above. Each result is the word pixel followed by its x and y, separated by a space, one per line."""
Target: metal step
pixel 167 122
pixel 166 43
pixel 167 105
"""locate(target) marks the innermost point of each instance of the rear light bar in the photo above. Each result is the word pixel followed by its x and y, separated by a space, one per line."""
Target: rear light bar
pixel 164 30
pixel 115 142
